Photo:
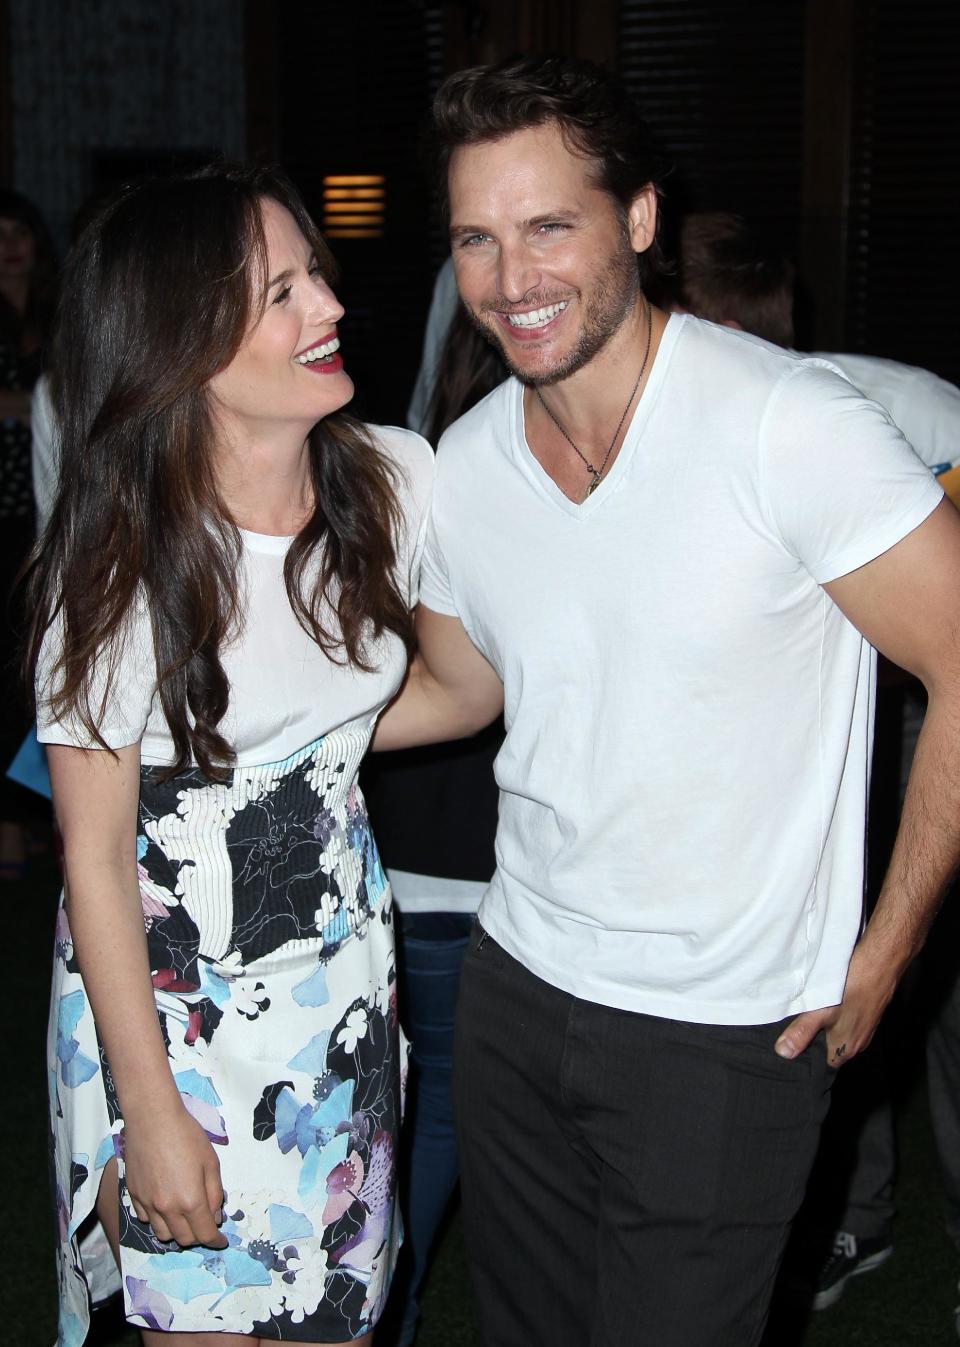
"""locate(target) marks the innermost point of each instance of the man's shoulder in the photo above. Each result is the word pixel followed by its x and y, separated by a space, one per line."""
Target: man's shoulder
pixel 740 371
pixel 728 352
pixel 924 406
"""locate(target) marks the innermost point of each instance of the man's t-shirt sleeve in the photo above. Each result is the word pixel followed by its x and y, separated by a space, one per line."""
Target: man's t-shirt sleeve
pixel 435 591
pixel 841 484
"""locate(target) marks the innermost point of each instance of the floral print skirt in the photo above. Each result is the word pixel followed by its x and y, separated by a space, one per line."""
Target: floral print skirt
pixel 271 949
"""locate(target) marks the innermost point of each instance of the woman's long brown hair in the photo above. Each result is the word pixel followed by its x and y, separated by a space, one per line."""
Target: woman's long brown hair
pixel 158 296
pixel 468 368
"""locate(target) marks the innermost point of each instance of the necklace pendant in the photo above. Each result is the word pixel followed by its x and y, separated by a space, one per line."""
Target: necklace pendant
pixel 598 472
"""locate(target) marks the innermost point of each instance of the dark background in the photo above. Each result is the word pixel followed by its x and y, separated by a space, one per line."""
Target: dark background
pixel 833 123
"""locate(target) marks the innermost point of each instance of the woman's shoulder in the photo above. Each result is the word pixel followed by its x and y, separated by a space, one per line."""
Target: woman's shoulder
pixel 410 453
pixel 405 447
pixel 121 682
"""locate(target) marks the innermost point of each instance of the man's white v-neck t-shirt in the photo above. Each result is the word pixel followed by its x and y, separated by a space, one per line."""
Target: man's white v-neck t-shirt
pixel 689 716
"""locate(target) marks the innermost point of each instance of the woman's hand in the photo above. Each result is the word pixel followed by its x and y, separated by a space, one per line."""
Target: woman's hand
pixel 173 1178
pixel 172 1174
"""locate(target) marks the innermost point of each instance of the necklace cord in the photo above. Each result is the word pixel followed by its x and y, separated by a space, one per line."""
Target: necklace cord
pixel 598 472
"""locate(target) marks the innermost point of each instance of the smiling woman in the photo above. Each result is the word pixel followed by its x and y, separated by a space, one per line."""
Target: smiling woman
pixel 270 383
pixel 221 609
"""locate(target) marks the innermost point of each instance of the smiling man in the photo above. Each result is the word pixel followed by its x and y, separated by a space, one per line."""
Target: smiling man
pixel 666 550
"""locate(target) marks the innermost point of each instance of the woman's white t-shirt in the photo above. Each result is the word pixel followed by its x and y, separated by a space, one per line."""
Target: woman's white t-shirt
pixel 284 691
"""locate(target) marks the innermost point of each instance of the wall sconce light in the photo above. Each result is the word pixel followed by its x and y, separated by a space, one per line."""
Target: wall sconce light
pixel 354 205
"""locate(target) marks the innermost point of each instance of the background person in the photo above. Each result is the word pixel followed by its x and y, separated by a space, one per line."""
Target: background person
pixel 221 608
pixel 44 451
pixel 28 287
pixel 728 273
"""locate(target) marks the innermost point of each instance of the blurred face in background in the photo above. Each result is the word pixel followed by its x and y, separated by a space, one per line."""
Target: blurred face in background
pixel 17 251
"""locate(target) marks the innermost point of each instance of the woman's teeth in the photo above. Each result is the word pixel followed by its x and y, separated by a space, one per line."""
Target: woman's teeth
pixel 323 352
pixel 536 317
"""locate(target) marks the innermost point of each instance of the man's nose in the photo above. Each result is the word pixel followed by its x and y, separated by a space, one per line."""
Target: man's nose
pixel 518 272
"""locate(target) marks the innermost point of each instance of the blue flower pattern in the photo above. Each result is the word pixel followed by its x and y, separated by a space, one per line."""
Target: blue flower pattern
pixel 300 981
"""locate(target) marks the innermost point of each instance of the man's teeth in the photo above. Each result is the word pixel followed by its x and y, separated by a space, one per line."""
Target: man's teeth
pixel 319 352
pixel 536 317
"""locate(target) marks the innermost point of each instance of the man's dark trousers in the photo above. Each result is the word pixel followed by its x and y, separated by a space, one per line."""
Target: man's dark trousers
pixel 627 1180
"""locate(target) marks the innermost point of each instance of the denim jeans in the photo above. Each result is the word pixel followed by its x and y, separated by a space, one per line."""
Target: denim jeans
pixel 430 947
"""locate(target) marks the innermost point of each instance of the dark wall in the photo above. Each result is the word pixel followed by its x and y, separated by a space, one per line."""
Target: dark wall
pixel 92 90
pixel 723 85
pixel 354 88
pixel 830 123
pixel 833 124
pixel 902 281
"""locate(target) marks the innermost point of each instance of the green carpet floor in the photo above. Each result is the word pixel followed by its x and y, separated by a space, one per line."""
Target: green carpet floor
pixel 908 1301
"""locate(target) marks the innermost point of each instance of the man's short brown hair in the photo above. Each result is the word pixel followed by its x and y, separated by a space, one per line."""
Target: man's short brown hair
pixel 597 117
pixel 727 273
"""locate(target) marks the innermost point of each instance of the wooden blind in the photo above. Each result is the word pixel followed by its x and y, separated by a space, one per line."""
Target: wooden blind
pixel 354 89
pixel 904 210
pixel 722 84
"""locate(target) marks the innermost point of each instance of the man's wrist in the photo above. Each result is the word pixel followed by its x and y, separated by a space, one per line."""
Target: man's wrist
pixel 884 955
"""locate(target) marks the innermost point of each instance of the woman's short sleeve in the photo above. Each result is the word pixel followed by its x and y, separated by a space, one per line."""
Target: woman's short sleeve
pixel 122 689
pixel 414 459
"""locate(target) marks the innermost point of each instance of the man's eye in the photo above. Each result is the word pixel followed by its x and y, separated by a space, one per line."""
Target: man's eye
pixel 552 227
pixel 473 240
pixel 282 295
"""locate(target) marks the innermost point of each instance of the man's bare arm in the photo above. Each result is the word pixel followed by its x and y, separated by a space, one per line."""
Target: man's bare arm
pixel 907 604
pixel 450 692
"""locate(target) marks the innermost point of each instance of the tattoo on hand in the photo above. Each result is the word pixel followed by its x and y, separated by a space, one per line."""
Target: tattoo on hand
pixel 839 1051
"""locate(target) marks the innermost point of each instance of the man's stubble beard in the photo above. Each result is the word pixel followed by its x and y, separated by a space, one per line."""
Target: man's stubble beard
pixel 615 295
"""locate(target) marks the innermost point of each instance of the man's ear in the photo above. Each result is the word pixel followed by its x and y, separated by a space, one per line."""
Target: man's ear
pixel 642 218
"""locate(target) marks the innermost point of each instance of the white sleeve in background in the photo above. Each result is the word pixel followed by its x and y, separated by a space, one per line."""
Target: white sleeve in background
pixel 45 452
pixel 443 306
pixel 924 406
